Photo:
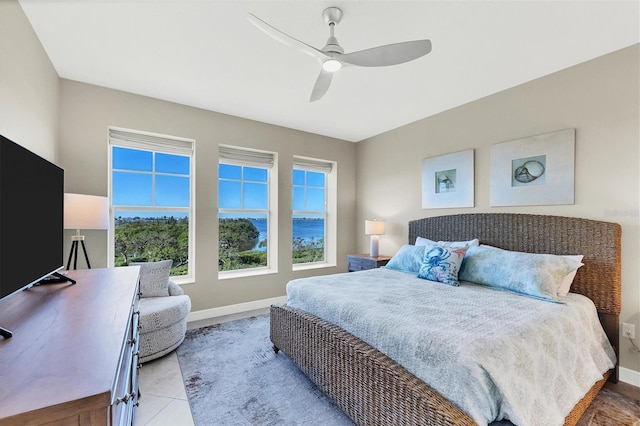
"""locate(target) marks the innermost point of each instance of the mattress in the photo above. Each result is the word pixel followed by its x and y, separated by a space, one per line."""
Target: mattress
pixel 495 354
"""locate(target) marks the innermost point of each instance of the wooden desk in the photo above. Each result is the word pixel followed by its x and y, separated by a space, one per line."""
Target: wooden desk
pixel 73 355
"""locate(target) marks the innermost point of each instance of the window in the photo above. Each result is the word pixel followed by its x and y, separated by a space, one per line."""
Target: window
pixel 313 218
pixel 247 235
pixel 151 200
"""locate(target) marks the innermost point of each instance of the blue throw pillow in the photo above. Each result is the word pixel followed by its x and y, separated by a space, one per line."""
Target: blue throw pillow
pixel 442 264
pixel 408 259
pixel 535 275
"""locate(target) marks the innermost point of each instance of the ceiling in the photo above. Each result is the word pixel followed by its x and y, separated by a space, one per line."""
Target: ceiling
pixel 208 55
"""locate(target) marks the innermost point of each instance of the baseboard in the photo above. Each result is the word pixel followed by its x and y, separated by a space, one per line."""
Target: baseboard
pixel 629 376
pixel 234 309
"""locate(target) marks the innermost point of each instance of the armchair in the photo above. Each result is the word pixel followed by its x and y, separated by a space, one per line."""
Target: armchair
pixel 163 311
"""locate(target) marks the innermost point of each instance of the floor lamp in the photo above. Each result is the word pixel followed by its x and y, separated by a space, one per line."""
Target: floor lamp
pixel 375 228
pixel 84 212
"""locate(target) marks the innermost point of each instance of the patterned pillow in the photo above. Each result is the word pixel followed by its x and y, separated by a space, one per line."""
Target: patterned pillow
pixel 154 277
pixel 535 275
pixel 407 259
pixel 442 264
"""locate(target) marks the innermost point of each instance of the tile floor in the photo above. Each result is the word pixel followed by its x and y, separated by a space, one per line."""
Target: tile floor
pixel 163 400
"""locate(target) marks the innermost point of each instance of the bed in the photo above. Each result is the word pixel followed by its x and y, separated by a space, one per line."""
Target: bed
pixel 371 388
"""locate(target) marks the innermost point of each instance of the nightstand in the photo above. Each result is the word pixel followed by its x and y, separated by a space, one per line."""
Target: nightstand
pixel 361 262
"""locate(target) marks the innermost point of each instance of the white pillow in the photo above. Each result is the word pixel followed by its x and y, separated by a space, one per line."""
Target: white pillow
pixel 154 277
pixel 565 286
pixel 420 241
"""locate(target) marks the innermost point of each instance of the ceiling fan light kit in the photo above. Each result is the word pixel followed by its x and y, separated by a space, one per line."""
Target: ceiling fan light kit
pixel 332 57
pixel 331 65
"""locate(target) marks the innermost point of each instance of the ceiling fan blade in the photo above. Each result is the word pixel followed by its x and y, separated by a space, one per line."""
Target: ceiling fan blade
pixel 322 85
pixel 286 39
pixel 390 54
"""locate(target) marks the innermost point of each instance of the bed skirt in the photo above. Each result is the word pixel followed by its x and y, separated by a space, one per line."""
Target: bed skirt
pixel 363 382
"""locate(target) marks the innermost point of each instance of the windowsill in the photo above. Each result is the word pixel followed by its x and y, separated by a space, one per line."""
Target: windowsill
pixel 224 275
pixel 183 280
pixel 308 266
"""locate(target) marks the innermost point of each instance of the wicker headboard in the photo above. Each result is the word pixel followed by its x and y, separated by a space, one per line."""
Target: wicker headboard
pixel 600 277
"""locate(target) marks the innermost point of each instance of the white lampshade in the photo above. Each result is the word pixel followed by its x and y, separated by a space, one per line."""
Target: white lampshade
pixel 374 227
pixel 86 211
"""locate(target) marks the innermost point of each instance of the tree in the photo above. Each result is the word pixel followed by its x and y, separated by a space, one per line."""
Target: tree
pixel 153 239
pixel 237 234
pixel 236 240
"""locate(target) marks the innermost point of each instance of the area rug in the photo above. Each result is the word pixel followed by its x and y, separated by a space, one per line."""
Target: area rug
pixel 233 377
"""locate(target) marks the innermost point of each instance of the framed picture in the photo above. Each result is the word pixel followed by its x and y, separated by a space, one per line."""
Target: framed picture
pixel 537 170
pixel 447 181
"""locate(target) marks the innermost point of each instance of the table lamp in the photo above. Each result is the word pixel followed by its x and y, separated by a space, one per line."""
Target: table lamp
pixel 375 228
pixel 84 212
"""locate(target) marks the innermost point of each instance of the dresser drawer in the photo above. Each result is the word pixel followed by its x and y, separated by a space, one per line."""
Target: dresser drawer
pixel 124 396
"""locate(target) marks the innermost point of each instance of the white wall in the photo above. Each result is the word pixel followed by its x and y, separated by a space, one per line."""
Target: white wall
pixel 28 85
pixel 599 98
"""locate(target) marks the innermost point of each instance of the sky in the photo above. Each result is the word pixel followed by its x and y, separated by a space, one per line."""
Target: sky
pixel 240 187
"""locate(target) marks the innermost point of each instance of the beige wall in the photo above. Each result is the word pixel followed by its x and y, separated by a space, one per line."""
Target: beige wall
pixel 87 111
pixel 600 99
pixel 28 85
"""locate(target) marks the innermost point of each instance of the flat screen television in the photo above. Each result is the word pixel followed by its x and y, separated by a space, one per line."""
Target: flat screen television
pixel 31 218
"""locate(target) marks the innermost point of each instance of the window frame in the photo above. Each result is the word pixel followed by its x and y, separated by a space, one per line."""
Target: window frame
pixel 249 157
pixel 156 143
pixel 329 168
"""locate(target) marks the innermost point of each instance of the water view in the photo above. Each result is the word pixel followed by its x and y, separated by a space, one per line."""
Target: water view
pixel 306 229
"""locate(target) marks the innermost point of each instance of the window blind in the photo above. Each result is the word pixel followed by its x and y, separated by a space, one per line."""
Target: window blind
pixel 150 142
pixel 311 164
pixel 246 156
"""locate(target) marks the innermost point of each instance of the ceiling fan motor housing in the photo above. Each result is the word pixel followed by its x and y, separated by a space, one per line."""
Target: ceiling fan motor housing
pixel 332 46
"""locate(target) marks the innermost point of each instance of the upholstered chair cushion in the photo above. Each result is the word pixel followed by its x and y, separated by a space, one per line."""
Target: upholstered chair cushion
pixel 163 322
pixel 154 278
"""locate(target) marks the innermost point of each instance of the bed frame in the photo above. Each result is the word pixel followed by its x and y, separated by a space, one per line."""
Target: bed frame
pixel 373 390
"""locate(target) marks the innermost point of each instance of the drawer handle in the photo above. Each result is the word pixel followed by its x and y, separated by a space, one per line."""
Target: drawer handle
pixel 124 399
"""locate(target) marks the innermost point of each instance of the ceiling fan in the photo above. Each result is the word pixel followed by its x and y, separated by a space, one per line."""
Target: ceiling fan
pixel 332 56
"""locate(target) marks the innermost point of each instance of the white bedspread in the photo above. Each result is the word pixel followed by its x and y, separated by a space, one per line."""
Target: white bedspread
pixel 494 354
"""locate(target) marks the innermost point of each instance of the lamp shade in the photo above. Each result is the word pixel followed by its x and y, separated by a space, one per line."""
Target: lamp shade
pixel 374 227
pixel 86 211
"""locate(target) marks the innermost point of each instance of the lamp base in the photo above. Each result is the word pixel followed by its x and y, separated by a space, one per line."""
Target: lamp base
pixel 74 252
pixel 373 247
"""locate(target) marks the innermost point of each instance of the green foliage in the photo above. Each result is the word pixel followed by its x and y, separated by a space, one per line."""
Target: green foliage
pixel 236 239
pixel 152 239
pixel 308 251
